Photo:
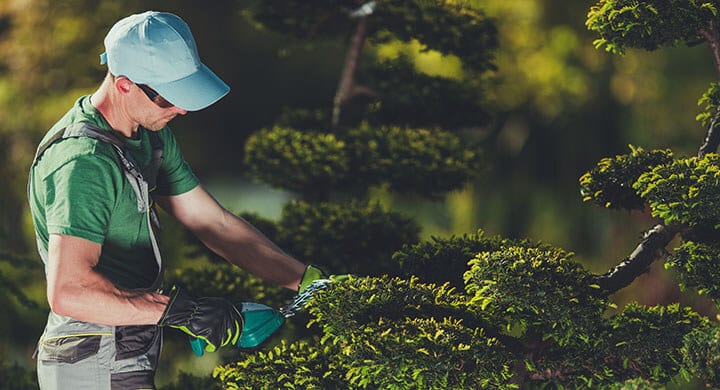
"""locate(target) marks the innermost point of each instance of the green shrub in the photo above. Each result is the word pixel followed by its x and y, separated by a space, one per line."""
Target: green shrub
pixel 309 163
pixel 697 268
pixel 361 301
pixel 414 99
pixel 412 161
pixel 610 183
pixel 315 164
pixel 528 316
pixel 382 333
pixel 473 36
pixel 354 238
pixel 701 355
pixel 649 340
pixel 299 365
pixel 422 353
pixel 710 101
pixel 687 191
pixel 441 260
pixel 648 25
pixel 540 290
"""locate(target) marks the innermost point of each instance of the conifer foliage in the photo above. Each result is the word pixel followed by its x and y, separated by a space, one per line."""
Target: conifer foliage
pixel 475 311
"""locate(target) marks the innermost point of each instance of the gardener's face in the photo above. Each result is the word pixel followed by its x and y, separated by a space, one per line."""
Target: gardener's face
pixel 151 110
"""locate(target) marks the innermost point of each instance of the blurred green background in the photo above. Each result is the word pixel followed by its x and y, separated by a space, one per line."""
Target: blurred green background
pixel 559 106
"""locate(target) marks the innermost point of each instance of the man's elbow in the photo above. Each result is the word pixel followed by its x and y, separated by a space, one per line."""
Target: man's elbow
pixel 61 301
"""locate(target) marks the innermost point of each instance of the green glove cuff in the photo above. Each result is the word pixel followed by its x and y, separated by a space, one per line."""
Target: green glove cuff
pixel 311 273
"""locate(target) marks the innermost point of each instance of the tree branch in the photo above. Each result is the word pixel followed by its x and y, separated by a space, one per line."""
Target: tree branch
pixel 347 80
pixel 713 39
pixel 712 139
pixel 363 90
pixel 651 248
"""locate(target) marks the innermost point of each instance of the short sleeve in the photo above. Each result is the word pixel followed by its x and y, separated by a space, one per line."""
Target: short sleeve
pixel 175 176
pixel 80 197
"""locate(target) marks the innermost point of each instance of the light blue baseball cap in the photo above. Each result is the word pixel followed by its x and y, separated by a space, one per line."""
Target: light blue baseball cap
pixel 158 49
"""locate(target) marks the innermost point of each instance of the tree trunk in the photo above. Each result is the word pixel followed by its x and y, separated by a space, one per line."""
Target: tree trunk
pixel 711 35
pixel 347 81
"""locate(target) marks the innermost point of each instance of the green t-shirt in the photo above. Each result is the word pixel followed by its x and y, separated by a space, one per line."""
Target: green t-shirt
pixel 77 188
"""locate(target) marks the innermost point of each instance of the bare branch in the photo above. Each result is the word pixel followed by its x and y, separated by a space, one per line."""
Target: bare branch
pixel 712 139
pixel 362 90
pixel 713 39
pixel 347 80
pixel 651 248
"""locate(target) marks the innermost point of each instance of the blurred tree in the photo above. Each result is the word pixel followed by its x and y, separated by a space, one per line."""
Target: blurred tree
pixel 529 314
pixel 392 124
pixel 467 35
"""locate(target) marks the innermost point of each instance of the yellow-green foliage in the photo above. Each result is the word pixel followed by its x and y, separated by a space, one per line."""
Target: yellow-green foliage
pixel 648 340
pixel 686 191
pixel 382 333
pixel 299 365
pixel 709 101
pixel 527 315
pixel 421 161
pixel 441 260
pixel 701 355
pixel 610 183
pixel 649 24
pixel 354 237
pixel 541 290
pixel 302 162
pixel 697 267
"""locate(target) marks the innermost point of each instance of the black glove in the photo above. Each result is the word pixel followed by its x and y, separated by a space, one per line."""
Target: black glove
pixel 213 320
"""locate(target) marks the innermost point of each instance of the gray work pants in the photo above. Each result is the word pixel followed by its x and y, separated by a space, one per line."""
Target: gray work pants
pixel 120 358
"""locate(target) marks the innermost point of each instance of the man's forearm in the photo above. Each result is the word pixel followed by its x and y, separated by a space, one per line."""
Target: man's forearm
pixel 242 244
pixel 76 290
pixel 94 299
pixel 232 237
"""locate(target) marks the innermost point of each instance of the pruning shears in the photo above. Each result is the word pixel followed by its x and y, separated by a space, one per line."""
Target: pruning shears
pixel 263 321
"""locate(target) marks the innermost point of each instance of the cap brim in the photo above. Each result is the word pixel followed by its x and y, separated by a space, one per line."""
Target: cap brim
pixel 194 92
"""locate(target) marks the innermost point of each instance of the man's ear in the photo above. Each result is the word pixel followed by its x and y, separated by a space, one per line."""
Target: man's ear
pixel 123 85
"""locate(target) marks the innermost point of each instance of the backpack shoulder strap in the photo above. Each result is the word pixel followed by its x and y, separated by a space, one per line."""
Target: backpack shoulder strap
pixel 86 129
pixel 127 165
pixel 79 129
pixel 151 171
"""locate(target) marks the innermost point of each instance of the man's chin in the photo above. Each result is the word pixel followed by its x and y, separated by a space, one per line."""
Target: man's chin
pixel 156 126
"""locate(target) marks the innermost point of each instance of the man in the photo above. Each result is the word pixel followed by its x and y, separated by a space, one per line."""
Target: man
pixel 91 191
